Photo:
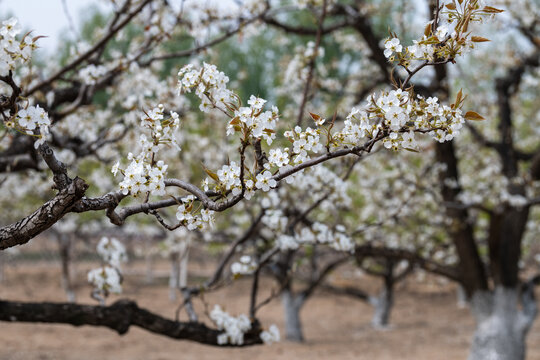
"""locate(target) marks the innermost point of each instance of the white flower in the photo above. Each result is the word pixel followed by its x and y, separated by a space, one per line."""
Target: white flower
pixel 244 267
pixel 278 158
pixel 265 181
pixel 270 336
pixel 287 242
pixel 112 251
pixel 391 46
pixel 256 103
pixel 235 327
pixel 92 73
pixel 105 280
pixel 115 167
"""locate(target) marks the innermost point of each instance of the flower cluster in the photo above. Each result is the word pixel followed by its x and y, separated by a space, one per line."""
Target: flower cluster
pixel 255 122
pixel 318 233
pixel 29 119
pixel 162 129
pixel 107 279
pixel 287 242
pixel 298 69
pixel 243 267
pixel 112 251
pixel 234 327
pixel 400 115
pixel 322 180
pixel 92 73
pixel 228 179
pixel 189 217
pixel 275 220
pixel 265 182
pixel 144 174
pixel 322 234
pixel 448 41
pixel 278 157
pixel 140 176
pixel 210 86
pixel 304 141
pixel 271 335
pixel 13 51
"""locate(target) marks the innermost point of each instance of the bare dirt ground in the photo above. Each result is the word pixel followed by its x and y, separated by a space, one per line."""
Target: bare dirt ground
pixel 427 324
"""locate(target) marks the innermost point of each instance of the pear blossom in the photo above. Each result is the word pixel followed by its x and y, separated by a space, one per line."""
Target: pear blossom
pixel 105 280
pixel 265 181
pixel 234 327
pixel 271 335
pixel 391 46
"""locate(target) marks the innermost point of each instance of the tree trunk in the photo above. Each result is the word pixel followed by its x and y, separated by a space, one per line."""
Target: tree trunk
pixel 293 325
pixel 384 302
pixel 383 307
pixel 501 327
pixel 3 259
pixel 64 243
pixel 174 275
pixel 461 297
pixel 184 259
pixel 149 260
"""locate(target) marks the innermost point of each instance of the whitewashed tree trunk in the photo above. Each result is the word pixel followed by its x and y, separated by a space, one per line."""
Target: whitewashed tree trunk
pixel 184 259
pixel 174 276
pixel 501 327
pixel 383 306
pixel 179 269
pixel 293 325
pixel 3 259
pixel 64 243
pixel 384 302
pixel 149 260
pixel 461 297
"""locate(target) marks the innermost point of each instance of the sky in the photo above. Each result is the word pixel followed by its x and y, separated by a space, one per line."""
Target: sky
pixel 47 17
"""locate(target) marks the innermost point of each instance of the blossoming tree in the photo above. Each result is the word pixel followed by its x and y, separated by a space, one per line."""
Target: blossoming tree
pixel 109 102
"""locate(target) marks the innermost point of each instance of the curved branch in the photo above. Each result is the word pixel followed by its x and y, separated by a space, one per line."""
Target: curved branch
pixel 47 215
pixel 118 317
pixel 304 30
pixel 90 51
pixel 402 254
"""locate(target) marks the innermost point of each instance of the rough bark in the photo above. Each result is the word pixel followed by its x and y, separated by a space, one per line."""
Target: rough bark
pixel 118 317
pixel 43 218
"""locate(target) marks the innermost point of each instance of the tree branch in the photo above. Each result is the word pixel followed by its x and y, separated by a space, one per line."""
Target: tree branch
pixel 118 317
pixel 47 215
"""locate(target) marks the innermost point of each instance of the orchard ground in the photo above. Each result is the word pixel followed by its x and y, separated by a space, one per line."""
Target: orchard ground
pixel 427 323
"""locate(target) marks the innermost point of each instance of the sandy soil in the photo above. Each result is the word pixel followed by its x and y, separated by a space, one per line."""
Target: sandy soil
pixel 426 324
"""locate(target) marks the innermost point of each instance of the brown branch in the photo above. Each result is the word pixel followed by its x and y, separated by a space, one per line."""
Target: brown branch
pixel 119 317
pixel 304 30
pixel 311 65
pixel 449 272
pixel 90 51
pixel 47 215
pixel 322 275
pixel 11 102
pixel 203 47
